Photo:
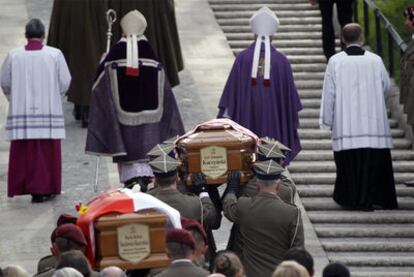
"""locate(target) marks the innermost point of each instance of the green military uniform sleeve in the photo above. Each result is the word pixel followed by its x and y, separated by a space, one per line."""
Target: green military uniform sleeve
pixel 209 211
pixel 230 207
pixel 297 238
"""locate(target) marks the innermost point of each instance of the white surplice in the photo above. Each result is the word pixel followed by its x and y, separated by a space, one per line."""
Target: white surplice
pixel 353 102
pixel 34 83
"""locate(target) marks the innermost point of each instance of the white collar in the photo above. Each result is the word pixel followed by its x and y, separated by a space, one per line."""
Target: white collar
pixel 181 261
pixel 353 44
pixel 124 39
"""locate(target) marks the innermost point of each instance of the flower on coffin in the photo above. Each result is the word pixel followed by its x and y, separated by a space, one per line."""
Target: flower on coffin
pixel 82 209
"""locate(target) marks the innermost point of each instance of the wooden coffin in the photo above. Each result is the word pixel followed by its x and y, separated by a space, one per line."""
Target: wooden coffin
pixel 215 151
pixel 131 241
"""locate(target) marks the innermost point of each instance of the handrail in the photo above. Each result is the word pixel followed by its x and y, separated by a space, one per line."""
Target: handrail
pixel 392 35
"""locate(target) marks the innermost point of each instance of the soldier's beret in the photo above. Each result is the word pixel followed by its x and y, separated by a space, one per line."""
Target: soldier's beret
pixel 71 232
pixel 191 224
pixel 181 236
pixel 63 218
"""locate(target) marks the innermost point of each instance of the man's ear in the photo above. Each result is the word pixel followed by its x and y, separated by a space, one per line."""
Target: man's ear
pixel 278 184
pixel 204 249
pixel 55 250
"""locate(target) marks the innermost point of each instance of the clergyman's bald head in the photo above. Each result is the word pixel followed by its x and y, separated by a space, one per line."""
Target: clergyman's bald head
pixel 352 33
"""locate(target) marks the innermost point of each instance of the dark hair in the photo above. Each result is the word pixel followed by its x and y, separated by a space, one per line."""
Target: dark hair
pixel 351 33
pixel 35 29
pixel 301 256
pixel 336 270
pixel 198 237
pixel 179 250
pixel 166 181
pixel 227 263
pixel 75 259
pixel 65 245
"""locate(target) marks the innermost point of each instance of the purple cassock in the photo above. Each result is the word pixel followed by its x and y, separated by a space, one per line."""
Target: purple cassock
pixel 269 109
pixel 129 115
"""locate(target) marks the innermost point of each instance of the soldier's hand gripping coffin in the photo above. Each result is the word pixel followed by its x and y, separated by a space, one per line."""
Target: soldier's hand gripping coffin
pixel 215 149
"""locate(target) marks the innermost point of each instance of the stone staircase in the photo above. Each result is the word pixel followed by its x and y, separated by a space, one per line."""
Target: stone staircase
pixel 379 243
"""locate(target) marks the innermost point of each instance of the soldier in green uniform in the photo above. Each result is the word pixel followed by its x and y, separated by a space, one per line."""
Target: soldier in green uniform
pixel 67 237
pixel 268 149
pixel 180 249
pixel 268 225
pixel 189 205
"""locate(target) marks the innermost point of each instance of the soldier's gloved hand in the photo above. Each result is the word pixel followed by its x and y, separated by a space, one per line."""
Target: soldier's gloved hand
pixel 233 182
pixel 199 183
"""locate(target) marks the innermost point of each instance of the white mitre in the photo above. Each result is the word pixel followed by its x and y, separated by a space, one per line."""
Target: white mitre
pixel 133 25
pixel 264 23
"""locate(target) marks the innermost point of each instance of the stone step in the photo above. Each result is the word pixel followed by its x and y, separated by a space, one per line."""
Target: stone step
pixel 329 178
pixel 278 36
pixel 286 43
pixel 310 191
pixel 254 7
pixel 323 134
pixel 296 20
pixel 326 155
pixel 292 50
pixel 308 84
pixel 309 103
pixel 307 123
pixel 312 76
pixel 373 259
pixel 309 113
pixel 377 271
pixel 310 68
pixel 361 217
pixel 309 144
pixel 309 93
pixel 364 230
pixel 368 244
pixel 257 2
pixel 282 29
pixel 301 59
pixel 313 112
pixel 329 166
pixel 281 14
pixel 328 204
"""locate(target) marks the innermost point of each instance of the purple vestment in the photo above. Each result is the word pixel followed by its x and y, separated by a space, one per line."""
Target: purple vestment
pixel 266 110
pixel 129 115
